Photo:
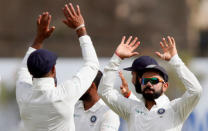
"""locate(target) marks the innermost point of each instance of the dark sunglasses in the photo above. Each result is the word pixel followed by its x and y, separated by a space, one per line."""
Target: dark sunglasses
pixel 152 80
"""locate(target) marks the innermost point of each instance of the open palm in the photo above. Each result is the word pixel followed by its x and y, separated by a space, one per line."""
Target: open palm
pixel 126 49
pixel 169 49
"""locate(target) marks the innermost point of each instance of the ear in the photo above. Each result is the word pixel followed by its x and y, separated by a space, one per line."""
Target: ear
pixel 53 71
pixel 93 86
pixel 165 86
pixel 140 80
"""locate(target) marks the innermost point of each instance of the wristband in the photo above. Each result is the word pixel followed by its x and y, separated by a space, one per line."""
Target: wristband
pixel 127 96
pixel 82 25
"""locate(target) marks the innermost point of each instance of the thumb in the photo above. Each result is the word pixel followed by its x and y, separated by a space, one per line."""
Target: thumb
pixel 134 54
pixel 159 55
pixel 51 29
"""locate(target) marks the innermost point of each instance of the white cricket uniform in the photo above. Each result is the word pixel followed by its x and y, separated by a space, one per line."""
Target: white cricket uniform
pixel 164 116
pixel 98 118
pixel 44 107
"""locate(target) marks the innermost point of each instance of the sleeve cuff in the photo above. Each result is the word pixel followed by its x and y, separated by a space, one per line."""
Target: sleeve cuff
pixel 174 59
pixel 116 59
pixel 85 39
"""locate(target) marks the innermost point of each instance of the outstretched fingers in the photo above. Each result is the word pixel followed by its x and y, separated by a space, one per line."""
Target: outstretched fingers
pixel 129 40
pixel 123 39
pixel 38 20
pixel 173 41
pixel 133 42
pixel 67 12
pixel 72 9
pixel 78 10
pixel 165 42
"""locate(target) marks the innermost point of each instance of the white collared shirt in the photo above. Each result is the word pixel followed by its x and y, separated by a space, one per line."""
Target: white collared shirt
pixel 44 107
pixel 165 115
pixel 98 118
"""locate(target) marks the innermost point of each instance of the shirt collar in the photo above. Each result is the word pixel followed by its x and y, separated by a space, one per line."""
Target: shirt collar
pixel 43 83
pixel 94 108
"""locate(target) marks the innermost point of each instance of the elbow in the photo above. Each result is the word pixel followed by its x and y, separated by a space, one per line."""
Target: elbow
pixel 94 65
pixel 198 92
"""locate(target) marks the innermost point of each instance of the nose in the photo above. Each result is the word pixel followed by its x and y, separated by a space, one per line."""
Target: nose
pixel 149 84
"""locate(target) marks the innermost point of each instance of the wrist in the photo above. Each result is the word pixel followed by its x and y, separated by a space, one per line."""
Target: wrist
pixel 37 44
pixel 119 55
pixel 79 27
pixel 39 39
pixel 81 31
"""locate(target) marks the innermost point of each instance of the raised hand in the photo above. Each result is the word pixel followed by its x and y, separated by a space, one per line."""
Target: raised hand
pixel 124 87
pixel 126 49
pixel 169 49
pixel 43 29
pixel 73 17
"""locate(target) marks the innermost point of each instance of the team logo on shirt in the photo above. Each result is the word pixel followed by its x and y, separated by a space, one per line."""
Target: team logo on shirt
pixel 93 118
pixel 161 111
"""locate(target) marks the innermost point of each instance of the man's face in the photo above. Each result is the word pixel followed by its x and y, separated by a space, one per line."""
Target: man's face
pixel 152 85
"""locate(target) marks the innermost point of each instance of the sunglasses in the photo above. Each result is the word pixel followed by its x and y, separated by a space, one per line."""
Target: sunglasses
pixel 152 80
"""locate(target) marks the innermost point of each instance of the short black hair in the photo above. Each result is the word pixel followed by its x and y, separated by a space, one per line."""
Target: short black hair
pixel 98 78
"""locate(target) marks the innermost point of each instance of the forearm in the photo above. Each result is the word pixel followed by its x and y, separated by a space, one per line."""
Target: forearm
pixel 106 90
pixel 185 104
pixel 88 52
pixel 83 79
pixel 188 78
pixel 38 43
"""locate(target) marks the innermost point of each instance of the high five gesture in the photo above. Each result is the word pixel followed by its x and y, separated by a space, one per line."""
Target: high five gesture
pixel 126 49
pixel 74 19
pixel 169 49
pixel 43 29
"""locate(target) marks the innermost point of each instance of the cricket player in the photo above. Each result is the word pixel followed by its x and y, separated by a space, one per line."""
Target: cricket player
pixel 91 113
pixel 152 113
pixel 137 65
pixel 44 105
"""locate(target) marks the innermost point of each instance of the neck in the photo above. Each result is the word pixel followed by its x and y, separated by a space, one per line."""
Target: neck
pixel 89 103
pixel 149 104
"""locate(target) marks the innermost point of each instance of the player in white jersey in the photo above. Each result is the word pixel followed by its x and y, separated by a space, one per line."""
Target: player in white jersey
pixel 91 113
pixel 153 112
pixel 44 105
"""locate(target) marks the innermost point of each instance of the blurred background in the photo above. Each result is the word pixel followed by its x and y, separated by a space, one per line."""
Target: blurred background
pixel 106 21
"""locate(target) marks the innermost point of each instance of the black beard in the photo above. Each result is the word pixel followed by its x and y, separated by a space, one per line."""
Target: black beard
pixel 85 97
pixel 151 97
pixel 137 85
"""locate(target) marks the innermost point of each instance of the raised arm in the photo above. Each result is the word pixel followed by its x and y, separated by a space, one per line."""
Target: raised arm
pixel 185 104
pixel 83 79
pixel 111 96
pixel 43 32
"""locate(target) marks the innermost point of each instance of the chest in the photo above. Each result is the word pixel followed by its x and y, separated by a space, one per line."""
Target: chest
pixel 157 119
pixel 88 120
